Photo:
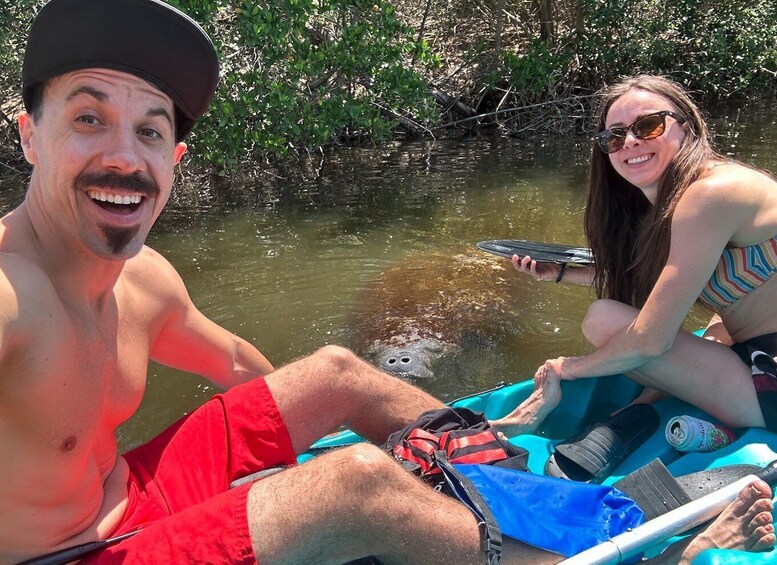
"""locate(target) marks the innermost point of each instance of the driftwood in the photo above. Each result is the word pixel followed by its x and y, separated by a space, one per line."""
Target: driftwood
pixel 552 115
pixel 414 128
pixel 451 104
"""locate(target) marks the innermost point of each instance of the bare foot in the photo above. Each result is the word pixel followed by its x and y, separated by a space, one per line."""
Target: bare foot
pixel 527 417
pixel 746 524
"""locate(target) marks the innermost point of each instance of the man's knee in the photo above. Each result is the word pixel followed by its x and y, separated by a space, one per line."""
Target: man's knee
pixel 604 318
pixel 344 370
pixel 336 359
pixel 360 474
pixel 368 468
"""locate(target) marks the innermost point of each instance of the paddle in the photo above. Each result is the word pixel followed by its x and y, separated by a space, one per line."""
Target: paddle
pixel 76 552
pixel 695 513
pixel 540 252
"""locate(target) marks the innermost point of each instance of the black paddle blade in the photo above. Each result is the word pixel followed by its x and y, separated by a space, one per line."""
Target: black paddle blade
pixel 540 252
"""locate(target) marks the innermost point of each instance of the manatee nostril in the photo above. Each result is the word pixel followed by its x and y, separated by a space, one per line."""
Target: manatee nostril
pixel 405 360
pixel 391 360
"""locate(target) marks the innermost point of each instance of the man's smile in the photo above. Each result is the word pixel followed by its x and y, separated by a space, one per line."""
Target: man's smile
pixel 123 204
pixel 114 198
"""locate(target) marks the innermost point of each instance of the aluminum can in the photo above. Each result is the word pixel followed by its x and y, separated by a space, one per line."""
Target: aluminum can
pixel 686 433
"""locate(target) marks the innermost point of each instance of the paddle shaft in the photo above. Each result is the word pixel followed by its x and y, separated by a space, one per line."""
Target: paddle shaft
pixel 76 552
pixel 661 528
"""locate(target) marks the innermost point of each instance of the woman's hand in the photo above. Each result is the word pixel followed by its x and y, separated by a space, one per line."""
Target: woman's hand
pixel 539 271
pixel 553 368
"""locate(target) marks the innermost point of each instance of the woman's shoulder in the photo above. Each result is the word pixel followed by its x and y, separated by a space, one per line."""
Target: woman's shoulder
pixel 732 180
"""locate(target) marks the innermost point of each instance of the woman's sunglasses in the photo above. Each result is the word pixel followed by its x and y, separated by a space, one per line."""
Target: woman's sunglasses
pixel 647 127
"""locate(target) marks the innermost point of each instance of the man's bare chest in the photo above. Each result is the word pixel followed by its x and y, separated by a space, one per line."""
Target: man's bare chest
pixel 79 381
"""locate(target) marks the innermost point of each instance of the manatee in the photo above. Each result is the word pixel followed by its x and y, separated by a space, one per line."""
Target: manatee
pixel 432 306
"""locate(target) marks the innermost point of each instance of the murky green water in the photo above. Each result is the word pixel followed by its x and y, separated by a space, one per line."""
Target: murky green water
pixel 289 268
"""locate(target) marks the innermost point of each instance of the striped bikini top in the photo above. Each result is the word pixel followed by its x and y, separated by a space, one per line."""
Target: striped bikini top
pixel 740 271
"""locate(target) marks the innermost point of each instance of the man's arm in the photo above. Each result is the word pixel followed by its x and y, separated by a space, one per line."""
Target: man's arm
pixel 189 341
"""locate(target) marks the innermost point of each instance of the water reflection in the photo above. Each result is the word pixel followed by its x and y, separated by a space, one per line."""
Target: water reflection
pixel 286 265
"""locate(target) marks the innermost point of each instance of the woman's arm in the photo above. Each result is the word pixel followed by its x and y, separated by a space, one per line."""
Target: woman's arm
pixel 704 222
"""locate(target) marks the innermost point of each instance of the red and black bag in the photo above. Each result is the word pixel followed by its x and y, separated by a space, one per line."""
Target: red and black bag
pixel 439 438
pixel 463 435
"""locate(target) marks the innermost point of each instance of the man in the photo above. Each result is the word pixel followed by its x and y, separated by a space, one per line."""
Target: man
pixel 111 89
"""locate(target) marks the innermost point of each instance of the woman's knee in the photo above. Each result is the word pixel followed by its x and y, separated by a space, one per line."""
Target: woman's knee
pixel 605 318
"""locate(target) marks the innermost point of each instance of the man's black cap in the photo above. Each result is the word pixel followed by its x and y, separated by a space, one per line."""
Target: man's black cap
pixel 146 38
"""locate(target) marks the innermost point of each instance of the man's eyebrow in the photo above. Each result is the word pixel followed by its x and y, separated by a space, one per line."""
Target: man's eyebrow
pixel 99 95
pixel 160 112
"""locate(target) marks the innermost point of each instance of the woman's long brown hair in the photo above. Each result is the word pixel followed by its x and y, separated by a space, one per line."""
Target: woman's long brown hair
pixel 629 237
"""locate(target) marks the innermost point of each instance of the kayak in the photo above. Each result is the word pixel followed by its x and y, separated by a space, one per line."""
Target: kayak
pixel 589 401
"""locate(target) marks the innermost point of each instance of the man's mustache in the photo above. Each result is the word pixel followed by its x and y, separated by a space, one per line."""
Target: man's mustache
pixel 134 182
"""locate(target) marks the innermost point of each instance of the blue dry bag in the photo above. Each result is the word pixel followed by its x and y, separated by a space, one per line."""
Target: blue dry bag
pixel 557 515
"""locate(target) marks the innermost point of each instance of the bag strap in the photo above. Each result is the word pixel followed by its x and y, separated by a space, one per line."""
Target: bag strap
pixel 465 491
pixel 479 447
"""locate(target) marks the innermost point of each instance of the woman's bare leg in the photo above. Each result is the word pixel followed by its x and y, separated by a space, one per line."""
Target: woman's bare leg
pixel 701 372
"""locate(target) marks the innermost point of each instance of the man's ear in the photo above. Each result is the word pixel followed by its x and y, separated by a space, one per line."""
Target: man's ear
pixel 26 134
pixel 178 152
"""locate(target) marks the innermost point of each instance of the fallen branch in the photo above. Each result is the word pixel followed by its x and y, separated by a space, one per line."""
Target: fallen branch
pixel 414 127
pixel 516 110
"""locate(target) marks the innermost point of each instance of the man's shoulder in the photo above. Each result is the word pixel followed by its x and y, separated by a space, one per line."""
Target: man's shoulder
pixel 148 261
pixel 149 271
pixel 19 275
pixel 28 299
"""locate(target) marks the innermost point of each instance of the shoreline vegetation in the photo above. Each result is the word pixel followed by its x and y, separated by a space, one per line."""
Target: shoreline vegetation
pixel 304 77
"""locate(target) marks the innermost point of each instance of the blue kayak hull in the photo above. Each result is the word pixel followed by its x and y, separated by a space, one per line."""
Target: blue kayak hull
pixel 588 401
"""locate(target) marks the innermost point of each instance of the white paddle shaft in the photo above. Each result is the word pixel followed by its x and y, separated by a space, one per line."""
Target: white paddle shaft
pixel 677 521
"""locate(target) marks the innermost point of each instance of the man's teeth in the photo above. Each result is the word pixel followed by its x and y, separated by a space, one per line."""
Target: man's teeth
pixel 636 160
pixel 114 198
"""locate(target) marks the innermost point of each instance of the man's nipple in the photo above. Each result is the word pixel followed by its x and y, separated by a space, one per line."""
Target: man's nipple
pixel 69 444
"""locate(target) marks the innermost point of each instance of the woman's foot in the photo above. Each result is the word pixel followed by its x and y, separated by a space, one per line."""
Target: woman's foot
pixel 527 417
pixel 746 524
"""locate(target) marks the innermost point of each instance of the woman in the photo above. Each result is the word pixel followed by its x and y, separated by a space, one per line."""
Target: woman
pixel 671 222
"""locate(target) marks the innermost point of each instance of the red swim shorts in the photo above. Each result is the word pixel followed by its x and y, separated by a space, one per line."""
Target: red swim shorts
pixel 179 482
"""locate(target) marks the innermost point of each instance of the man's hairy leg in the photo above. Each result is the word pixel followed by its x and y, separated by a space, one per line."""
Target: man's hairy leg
pixel 356 502
pixel 333 387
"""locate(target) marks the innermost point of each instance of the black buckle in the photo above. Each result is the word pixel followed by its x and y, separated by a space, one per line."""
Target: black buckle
pixel 490 545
